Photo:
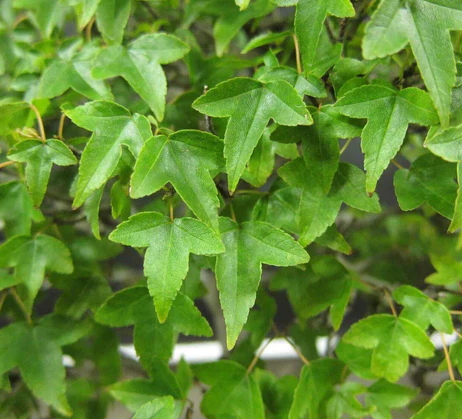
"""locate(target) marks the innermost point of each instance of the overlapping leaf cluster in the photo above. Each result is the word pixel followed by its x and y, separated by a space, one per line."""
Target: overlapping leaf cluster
pixel 244 147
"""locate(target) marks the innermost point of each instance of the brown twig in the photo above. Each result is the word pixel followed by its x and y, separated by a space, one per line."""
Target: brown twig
pixel 448 359
pixel 297 55
pixel 21 305
pixel 330 32
pixel 257 357
pixel 390 302
pixel 40 122
pixel 397 164
pixel 61 126
pixel 6 163
pixel 299 353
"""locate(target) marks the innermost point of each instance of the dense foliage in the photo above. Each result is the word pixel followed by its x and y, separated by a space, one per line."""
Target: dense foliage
pixel 217 137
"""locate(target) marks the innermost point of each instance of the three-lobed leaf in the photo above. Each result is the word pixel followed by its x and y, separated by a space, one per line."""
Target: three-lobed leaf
pixel 169 244
pixel 250 105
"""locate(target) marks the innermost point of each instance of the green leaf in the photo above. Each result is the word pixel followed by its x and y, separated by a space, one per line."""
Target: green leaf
pixel 445 404
pixel 393 339
pixel 345 402
pixel 265 39
pixel 91 210
pixel 318 210
pixel 275 100
pixel 15 208
pixel 238 269
pixel 32 257
pixel 72 70
pixel 456 222
pixel 111 18
pixel 429 180
pixel 140 65
pixel 169 244
pixel 233 392
pixel 40 157
pixel 152 339
pixel 309 85
pixel 48 13
pixel 309 23
pixel 384 396
pixel 425 25
pixel 160 408
pixel 447 144
pixel 85 10
pixel 358 359
pixel 316 384
pixel 184 159
pixel 37 352
pixel 389 112
pixel 113 127
pixel 422 310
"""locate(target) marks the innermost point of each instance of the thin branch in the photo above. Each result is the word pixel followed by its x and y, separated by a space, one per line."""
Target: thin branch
pixel 88 29
pixel 2 299
pixel 61 126
pixel 40 122
pixel 397 164
pixel 170 206
pixel 342 30
pixel 149 9
pixel 448 359
pixel 6 163
pixel 299 353
pixel 390 302
pixel 456 312
pixel 21 305
pixel 297 55
pixel 257 357
pixel 233 214
pixel 330 33
pixel 345 146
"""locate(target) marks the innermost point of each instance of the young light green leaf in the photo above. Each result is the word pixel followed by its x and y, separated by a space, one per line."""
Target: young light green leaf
pixel 393 339
pixel 72 70
pixel 445 404
pixel 160 408
pixel 318 210
pixel 15 208
pixel 32 257
pixel 429 180
pixel 140 65
pixel 238 269
pixel 113 127
pixel 380 142
pixel 111 18
pixel 37 352
pixel 422 310
pixel 309 23
pixel 317 382
pixel 233 391
pixel 250 105
pixel 169 244
pixel 40 157
pixel 357 359
pixel 184 159
pixel 425 25
pixel 152 339
pixel 91 210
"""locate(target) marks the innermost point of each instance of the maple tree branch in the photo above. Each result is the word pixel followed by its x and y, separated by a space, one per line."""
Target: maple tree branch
pixel 330 32
pixel 297 350
pixel 21 306
pixel 6 163
pixel 257 357
pixel 40 122
pixel 396 164
pixel 297 55
pixel 390 302
pixel 61 126
pixel 456 312
pixel 345 146
pixel 448 359
pixel 88 29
